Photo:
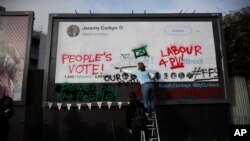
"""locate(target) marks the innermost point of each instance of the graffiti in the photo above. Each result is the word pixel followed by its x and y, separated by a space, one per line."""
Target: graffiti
pixel 130 82
pixel 86 63
pixel 174 50
pixel 66 96
pixel 116 77
pixel 175 55
pixel 77 87
pixel 86 68
pixel 200 74
pixel 125 78
pixel 86 58
pixel 141 51
pixel 86 92
pixel 176 61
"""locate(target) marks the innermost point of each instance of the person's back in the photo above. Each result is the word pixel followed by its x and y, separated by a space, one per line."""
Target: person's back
pixel 136 118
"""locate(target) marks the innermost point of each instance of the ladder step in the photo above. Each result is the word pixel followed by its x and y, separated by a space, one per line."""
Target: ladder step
pixel 151 123
pixel 153 139
pixel 151 118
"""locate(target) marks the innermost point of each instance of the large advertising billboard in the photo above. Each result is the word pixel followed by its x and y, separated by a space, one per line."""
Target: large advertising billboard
pixel 15 38
pixel 184 52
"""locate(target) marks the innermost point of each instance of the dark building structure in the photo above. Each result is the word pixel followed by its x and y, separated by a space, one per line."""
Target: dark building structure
pixel 2 9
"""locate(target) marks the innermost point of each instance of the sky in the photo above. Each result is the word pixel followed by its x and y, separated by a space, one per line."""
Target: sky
pixel 42 8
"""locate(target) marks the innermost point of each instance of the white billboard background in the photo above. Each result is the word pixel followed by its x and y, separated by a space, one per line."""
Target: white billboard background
pixel 190 45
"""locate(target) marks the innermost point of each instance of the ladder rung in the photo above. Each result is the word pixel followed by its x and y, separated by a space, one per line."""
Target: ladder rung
pixel 153 139
pixel 151 125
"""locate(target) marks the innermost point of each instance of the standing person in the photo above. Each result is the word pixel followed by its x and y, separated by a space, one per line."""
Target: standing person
pixel 147 87
pixel 6 112
pixel 136 118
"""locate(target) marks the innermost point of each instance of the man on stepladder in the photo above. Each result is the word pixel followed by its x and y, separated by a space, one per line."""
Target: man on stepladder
pixel 146 80
pixel 137 119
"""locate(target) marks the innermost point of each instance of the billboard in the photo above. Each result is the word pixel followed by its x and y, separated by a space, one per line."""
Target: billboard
pixel 183 50
pixel 15 38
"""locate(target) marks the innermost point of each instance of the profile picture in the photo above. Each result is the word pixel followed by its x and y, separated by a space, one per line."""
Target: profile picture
pixel 157 75
pixel 165 75
pixel 181 75
pixel 125 76
pixel 173 75
pixel 189 75
pixel 73 30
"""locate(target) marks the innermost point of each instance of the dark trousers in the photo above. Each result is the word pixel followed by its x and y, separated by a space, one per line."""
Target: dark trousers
pixel 136 135
pixel 4 129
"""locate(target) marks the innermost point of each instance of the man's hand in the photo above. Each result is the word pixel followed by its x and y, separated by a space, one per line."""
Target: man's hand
pixel 7 110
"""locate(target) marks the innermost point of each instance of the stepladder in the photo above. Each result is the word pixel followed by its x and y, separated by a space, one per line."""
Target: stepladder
pixel 153 131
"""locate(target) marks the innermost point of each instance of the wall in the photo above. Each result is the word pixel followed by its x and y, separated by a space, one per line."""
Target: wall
pixel 87 125
pixel 194 122
pixel 17 122
pixel 26 122
pixel 176 122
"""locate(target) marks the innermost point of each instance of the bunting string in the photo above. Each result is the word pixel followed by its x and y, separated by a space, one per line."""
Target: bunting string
pixel 79 105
